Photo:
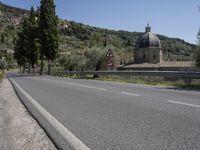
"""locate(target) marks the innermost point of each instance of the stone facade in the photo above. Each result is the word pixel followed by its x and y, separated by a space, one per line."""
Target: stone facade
pixel 149 55
pixel 148 48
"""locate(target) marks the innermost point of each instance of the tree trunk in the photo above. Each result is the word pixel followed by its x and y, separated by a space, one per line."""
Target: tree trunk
pixel 42 64
pixel 29 67
pixel 24 68
pixel 49 69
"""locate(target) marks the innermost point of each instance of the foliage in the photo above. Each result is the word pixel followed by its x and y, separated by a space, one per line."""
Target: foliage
pixel 124 41
pixel 1 75
pixel 3 64
pixel 77 41
pixel 21 47
pixel 48 29
pixel 26 48
pixel 198 51
pixel 95 59
pixel 33 37
pixel 198 58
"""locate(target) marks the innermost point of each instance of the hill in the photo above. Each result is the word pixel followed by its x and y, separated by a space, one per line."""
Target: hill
pixel 76 38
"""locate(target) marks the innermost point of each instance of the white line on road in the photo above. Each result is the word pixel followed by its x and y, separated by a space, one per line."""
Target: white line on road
pixel 187 104
pixel 66 134
pixel 132 94
pixel 86 86
pixel 75 84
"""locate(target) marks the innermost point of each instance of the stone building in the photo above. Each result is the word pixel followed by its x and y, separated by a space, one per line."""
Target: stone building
pixel 149 56
pixel 148 48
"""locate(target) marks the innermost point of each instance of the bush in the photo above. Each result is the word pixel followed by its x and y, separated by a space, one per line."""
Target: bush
pixel 3 64
pixel 1 75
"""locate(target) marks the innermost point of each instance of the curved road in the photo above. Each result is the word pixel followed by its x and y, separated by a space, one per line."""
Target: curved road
pixel 120 116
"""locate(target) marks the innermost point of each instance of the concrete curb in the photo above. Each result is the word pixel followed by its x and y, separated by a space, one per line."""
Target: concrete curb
pixel 60 135
pixel 18 130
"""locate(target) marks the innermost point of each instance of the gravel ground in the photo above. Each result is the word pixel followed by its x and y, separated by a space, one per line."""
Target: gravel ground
pixel 18 130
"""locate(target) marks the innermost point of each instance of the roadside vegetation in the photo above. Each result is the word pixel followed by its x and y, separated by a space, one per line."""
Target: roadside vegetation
pixel 1 75
pixel 72 46
pixel 147 80
pixel 74 41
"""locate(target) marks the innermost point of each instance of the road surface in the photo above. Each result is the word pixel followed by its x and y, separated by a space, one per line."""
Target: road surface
pixel 118 116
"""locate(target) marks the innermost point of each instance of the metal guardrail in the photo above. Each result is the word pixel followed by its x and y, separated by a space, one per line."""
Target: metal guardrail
pixel 176 74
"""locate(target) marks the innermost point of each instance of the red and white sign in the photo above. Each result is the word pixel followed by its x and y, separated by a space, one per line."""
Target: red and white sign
pixel 109 62
pixel 109 53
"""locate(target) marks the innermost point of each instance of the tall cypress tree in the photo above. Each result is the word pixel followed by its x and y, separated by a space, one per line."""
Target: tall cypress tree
pixel 2 38
pixel 48 31
pixel 33 38
pixel 21 47
pixel 198 51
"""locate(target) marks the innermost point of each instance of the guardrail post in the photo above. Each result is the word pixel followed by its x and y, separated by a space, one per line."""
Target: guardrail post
pixel 189 81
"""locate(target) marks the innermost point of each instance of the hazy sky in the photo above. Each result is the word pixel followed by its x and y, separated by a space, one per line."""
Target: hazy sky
pixel 173 18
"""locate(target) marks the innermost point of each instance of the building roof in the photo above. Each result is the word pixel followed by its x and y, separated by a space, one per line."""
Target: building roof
pixel 148 40
pixel 165 64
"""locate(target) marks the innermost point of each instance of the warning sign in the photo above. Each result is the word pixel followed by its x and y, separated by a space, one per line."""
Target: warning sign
pixel 109 62
pixel 109 54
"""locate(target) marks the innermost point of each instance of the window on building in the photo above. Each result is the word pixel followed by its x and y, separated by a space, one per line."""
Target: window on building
pixel 144 56
pixel 154 56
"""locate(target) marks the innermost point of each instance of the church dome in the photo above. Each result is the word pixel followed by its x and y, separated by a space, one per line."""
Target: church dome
pixel 148 40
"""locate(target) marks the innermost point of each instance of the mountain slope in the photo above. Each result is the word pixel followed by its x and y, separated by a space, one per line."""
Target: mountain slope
pixel 77 37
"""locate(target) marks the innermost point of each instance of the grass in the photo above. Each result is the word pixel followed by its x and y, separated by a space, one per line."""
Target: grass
pixel 149 80
pixel 1 75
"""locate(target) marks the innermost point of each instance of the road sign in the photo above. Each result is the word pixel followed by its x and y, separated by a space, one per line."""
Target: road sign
pixel 109 54
pixel 109 62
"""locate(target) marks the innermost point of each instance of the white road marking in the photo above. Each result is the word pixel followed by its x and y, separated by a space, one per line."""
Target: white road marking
pixel 187 104
pixel 75 84
pixel 132 94
pixel 86 86
pixel 66 134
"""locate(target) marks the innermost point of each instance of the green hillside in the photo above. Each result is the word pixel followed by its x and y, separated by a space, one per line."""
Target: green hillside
pixel 124 41
pixel 76 39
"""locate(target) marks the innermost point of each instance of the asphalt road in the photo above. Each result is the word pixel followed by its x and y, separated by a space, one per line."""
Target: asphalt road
pixel 119 116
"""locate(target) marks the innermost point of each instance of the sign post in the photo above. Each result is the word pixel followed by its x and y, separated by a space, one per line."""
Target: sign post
pixel 109 56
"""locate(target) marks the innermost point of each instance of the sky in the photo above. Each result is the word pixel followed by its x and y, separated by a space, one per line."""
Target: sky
pixel 172 18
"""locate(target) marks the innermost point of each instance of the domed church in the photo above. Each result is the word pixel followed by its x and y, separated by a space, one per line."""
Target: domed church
pixel 148 48
pixel 148 55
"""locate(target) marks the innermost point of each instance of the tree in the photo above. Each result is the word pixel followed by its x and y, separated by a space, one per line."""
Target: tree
pixel 198 57
pixel 33 36
pixel 198 51
pixel 2 38
pixel 95 59
pixel 20 50
pixel 26 47
pixel 48 31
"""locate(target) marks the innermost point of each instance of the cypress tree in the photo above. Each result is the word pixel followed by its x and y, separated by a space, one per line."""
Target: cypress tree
pixel 48 31
pixel 33 39
pixel 2 38
pixel 198 51
pixel 21 47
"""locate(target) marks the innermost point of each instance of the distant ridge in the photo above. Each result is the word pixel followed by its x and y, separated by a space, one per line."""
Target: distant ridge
pixel 77 36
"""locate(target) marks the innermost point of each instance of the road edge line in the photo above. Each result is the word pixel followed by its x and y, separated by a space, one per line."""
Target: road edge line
pixel 63 131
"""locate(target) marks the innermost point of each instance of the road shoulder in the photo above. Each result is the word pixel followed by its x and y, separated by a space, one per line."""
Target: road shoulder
pixel 18 130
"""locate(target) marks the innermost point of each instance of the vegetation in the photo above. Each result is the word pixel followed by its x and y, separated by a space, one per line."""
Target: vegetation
pixel 1 75
pixel 48 23
pixel 198 51
pixel 26 48
pixel 12 10
pixel 77 41
pixel 148 80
